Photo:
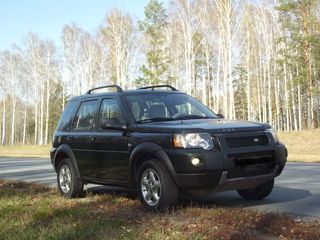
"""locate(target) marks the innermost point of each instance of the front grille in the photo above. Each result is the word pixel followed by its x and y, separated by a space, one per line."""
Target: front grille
pixel 247 141
pixel 256 161
pixel 252 164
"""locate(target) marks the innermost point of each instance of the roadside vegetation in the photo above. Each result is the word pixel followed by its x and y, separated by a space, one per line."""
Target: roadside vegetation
pixel 303 146
pixel 20 150
pixel 30 211
pixel 255 60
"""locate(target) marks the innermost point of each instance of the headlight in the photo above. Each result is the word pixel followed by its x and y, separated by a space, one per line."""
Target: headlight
pixel 274 134
pixel 193 140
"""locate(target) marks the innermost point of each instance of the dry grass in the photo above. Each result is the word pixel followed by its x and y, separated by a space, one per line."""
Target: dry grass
pixel 302 146
pixel 25 151
pixel 31 211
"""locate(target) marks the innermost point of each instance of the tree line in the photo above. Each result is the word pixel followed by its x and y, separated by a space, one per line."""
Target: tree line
pixel 253 60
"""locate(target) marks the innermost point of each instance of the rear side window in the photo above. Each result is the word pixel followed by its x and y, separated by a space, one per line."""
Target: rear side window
pixel 85 116
pixel 65 118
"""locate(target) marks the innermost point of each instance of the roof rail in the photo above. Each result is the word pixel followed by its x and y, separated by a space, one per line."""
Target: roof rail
pixel 119 89
pixel 159 86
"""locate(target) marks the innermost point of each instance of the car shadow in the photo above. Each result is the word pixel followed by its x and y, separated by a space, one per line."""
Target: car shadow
pixel 117 191
pixel 232 199
pixel 223 199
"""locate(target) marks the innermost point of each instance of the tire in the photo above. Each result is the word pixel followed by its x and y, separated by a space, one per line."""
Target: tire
pixel 258 193
pixel 68 183
pixel 156 189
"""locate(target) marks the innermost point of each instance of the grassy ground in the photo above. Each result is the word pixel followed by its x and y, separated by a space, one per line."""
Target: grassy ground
pixel 31 211
pixel 24 151
pixel 302 146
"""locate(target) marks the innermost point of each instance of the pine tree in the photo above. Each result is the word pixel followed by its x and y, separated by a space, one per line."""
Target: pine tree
pixel 153 26
pixel 301 43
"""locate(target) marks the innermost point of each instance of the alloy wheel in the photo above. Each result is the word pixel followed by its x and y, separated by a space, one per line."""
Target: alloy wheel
pixel 150 187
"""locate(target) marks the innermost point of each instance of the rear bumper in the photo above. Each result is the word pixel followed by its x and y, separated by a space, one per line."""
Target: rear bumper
pixel 52 154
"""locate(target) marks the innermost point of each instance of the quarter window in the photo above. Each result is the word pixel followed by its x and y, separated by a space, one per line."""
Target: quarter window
pixel 65 119
pixel 85 116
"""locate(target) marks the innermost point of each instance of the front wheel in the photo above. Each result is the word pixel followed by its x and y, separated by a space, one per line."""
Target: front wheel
pixel 156 189
pixel 257 193
pixel 68 183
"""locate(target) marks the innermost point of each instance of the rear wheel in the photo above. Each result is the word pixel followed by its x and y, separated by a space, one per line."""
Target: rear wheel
pixel 68 182
pixel 257 193
pixel 156 189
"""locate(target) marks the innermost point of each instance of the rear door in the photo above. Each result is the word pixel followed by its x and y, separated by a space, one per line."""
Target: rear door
pixel 79 135
pixel 110 147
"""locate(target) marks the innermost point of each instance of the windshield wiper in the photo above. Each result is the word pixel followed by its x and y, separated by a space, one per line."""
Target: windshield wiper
pixel 158 119
pixel 192 117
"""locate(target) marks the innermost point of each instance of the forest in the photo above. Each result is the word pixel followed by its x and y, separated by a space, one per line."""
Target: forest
pixel 251 60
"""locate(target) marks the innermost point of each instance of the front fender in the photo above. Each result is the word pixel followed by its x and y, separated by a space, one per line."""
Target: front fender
pixel 145 151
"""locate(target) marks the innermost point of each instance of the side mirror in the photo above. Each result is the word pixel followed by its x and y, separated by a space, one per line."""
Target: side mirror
pixel 112 123
pixel 220 115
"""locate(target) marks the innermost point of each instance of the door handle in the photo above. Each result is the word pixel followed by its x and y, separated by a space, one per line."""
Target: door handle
pixel 93 139
pixel 69 138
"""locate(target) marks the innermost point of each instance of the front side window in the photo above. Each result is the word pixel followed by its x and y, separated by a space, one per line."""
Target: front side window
pixel 110 110
pixel 85 116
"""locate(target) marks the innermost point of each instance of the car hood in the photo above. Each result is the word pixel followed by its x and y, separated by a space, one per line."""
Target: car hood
pixel 201 125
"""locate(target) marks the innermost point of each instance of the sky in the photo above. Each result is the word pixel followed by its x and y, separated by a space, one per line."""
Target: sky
pixel 47 17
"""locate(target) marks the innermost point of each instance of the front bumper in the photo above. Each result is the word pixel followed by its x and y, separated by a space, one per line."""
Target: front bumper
pixel 226 184
pixel 220 171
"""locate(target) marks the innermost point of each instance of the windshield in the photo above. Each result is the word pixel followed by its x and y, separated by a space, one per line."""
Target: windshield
pixel 151 107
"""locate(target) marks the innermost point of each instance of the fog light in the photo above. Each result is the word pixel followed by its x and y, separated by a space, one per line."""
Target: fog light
pixel 196 162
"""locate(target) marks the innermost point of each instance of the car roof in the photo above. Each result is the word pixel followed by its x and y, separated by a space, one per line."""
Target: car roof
pixel 123 93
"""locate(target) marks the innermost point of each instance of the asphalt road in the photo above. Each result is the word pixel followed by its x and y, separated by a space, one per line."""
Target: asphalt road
pixel 296 191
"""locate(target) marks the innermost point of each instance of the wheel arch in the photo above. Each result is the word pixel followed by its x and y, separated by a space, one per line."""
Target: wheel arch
pixel 146 151
pixel 64 151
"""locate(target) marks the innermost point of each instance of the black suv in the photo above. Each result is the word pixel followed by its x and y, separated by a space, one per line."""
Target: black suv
pixel 161 142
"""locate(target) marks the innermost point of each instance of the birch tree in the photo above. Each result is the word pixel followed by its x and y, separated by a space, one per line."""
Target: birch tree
pixel 229 25
pixel 71 47
pixel 4 92
pixel 118 32
pixel 187 29
pixel 11 69
pixel 209 30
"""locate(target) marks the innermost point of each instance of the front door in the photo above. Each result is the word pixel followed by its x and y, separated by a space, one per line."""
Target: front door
pixel 110 147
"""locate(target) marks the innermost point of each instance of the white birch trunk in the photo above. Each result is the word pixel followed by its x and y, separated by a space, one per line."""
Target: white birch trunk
pixel 36 123
pixel 294 112
pixel 286 97
pixel 299 108
pixel 41 114
pixel 24 126
pixel 13 120
pixel 3 137
pixel 269 95
pixel 47 111
pixel 248 78
pixel 217 89
pixel 204 90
